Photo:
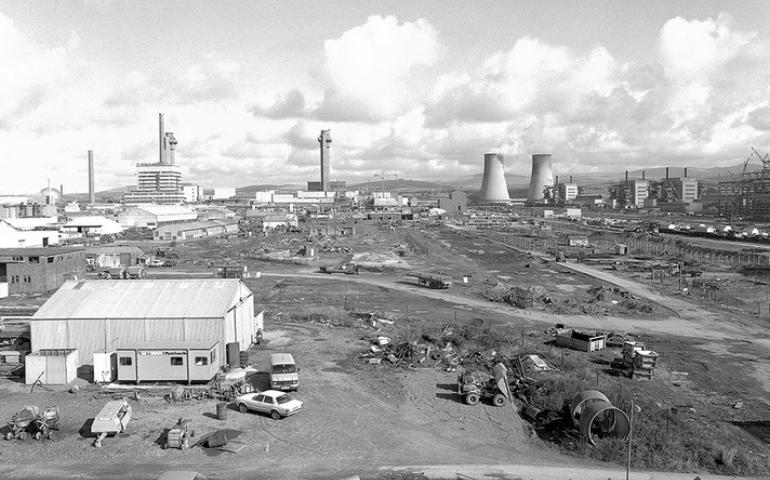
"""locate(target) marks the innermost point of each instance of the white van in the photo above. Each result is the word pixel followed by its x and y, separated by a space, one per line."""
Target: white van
pixel 284 374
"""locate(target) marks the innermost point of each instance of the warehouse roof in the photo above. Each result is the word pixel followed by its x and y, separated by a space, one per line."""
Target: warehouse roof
pixel 189 298
pixel 37 251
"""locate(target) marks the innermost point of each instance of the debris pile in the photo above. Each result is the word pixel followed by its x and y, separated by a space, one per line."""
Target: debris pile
pixel 637 362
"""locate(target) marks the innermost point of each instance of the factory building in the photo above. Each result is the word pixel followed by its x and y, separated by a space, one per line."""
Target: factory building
pixel 12 235
pixel 38 270
pixel 192 193
pixel 152 216
pixel 179 232
pixel 453 203
pixel 90 226
pixel 630 193
pixel 568 192
pixel 102 316
pixel 158 182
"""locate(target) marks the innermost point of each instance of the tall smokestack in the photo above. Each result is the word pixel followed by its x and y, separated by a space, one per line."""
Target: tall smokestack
pixel 642 174
pixel 556 180
pixel 493 186
pixel 161 140
pixel 91 192
pixel 325 141
pixel 542 176
pixel 685 172
pixel 666 173
pixel 570 179
pixel 626 175
pixel 61 189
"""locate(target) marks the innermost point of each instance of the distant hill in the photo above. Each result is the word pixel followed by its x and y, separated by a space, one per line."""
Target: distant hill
pixel 403 185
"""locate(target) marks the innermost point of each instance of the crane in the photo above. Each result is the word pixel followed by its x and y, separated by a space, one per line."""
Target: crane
pixel 382 177
pixel 764 159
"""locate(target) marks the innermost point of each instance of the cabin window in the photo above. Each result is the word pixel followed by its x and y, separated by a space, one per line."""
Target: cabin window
pixel 34 259
pixel 177 361
pixel 201 361
pixel 126 361
pixel 50 259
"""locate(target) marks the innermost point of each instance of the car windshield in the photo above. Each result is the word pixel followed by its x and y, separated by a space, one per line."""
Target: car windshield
pixel 283 399
pixel 284 368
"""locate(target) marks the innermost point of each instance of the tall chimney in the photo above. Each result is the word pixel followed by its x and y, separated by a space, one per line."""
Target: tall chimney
pixel 685 172
pixel 570 179
pixel 666 173
pixel 161 139
pixel 642 174
pixel 91 192
pixel 61 189
pixel 556 182
pixel 626 175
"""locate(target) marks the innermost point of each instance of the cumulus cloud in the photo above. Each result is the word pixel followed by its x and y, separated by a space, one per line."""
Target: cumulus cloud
pixel 30 71
pixel 291 105
pixel 365 70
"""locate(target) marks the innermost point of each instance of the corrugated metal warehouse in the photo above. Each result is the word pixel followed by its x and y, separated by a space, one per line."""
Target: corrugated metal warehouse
pixel 102 315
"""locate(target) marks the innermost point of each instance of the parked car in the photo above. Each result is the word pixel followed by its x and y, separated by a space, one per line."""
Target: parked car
pixel 276 404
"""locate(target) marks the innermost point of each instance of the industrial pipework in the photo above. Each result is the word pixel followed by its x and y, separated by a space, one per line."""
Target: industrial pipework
pixel 493 186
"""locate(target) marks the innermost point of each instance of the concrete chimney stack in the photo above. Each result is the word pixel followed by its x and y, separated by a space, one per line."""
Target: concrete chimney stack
pixel 542 176
pixel 91 191
pixel 570 179
pixel 325 142
pixel 493 185
pixel 666 173
pixel 685 172
pixel 626 175
pixel 642 174
pixel 161 140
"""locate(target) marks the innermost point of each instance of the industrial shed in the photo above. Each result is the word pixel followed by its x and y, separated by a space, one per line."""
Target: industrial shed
pixel 104 315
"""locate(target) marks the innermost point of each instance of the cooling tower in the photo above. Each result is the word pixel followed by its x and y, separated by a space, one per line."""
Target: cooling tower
pixel 493 187
pixel 542 177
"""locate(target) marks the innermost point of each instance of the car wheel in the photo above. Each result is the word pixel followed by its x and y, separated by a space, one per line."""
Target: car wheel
pixel 472 399
pixel 242 408
pixel 498 400
pixel 275 415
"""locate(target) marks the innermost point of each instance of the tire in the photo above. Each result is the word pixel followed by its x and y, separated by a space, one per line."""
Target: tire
pixel 165 446
pixel 243 408
pixel 9 436
pixel 275 415
pixel 22 435
pixel 37 436
pixel 108 276
pixel 498 400
pixel 50 435
pixel 472 398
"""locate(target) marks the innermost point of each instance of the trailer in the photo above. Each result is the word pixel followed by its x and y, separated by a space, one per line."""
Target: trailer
pixel 432 280
pixel 112 419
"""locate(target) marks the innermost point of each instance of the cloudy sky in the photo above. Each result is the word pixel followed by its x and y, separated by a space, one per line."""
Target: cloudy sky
pixel 416 89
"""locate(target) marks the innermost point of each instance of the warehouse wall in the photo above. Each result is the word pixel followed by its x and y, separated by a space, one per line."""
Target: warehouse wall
pixel 92 335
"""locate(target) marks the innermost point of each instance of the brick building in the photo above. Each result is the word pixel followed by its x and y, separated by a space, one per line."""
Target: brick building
pixel 38 270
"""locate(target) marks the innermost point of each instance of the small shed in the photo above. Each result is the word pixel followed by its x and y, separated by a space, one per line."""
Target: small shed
pixel 168 362
pixel 105 366
pixel 621 249
pixel 52 366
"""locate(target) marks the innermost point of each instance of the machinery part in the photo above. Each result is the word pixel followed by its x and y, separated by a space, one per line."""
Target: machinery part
pixel 599 419
pixel 99 438
pixel 498 400
pixel 472 398
pixel 582 400
pixel 275 415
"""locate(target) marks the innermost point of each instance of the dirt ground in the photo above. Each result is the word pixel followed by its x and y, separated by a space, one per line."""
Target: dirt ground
pixel 714 368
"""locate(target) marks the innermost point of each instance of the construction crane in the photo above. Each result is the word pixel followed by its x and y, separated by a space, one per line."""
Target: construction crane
pixel 765 159
pixel 745 164
pixel 382 177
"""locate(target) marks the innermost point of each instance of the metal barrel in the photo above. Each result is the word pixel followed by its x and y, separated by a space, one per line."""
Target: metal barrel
pixel 222 411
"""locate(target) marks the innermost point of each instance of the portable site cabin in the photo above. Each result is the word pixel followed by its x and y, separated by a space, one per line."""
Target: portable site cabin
pixel 102 315
pixel 168 362
pixel 51 366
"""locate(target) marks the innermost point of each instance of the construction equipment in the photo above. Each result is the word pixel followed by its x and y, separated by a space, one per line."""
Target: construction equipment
pixel 30 420
pixel 765 159
pixel 179 435
pixel 432 280
pixel 112 419
pixel 473 388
